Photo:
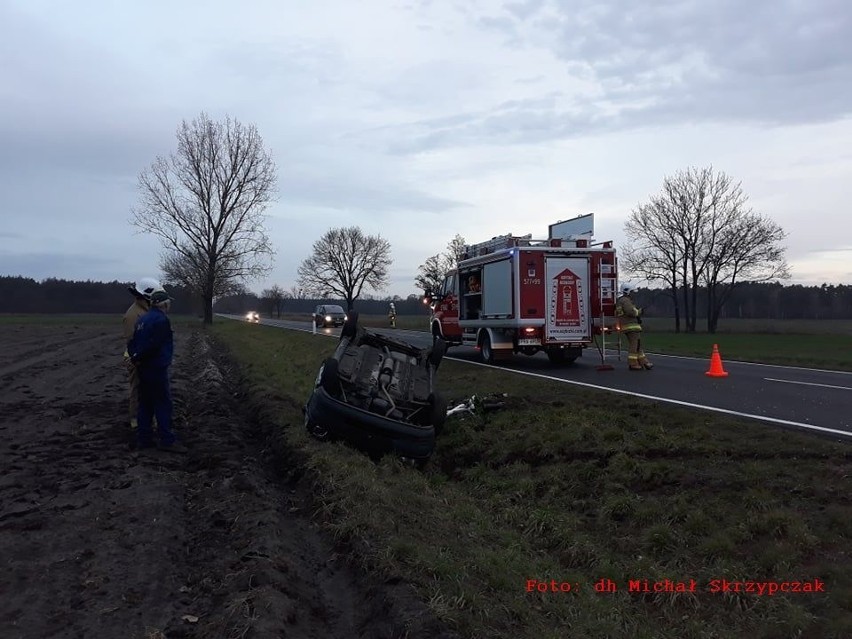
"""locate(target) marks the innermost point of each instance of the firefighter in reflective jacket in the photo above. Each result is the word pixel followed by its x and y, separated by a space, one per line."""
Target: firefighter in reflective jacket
pixel 630 323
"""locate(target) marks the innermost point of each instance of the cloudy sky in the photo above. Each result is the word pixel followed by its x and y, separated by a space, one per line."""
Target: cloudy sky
pixel 418 120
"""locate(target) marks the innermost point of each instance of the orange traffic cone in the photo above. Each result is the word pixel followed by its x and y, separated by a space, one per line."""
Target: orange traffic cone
pixel 716 369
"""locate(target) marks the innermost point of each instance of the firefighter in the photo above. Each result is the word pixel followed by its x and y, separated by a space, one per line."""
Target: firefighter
pixel 151 350
pixel 630 323
pixel 141 290
pixel 392 315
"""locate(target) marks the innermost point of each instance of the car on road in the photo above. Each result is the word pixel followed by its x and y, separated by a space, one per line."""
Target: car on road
pixel 378 393
pixel 329 315
pixel 253 316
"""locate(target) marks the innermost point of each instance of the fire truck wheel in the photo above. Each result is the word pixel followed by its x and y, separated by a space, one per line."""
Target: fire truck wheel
pixel 485 350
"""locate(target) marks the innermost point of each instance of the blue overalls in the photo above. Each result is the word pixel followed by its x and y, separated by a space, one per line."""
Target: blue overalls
pixel 151 349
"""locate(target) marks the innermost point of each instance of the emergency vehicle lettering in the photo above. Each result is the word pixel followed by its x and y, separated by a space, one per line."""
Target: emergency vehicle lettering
pixel 567 312
pixel 532 286
pixel 566 299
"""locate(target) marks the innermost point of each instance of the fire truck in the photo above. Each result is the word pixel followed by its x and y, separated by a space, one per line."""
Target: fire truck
pixel 515 294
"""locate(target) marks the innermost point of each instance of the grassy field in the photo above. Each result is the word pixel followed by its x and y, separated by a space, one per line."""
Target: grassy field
pixel 823 344
pixel 576 487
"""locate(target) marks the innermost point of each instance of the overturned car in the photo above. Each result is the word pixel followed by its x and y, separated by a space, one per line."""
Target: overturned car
pixel 378 393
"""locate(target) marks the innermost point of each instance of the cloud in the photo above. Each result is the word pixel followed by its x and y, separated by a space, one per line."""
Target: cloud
pixel 674 62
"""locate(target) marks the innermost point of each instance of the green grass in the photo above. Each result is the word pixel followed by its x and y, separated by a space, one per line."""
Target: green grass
pixel 824 344
pixel 576 486
pixel 768 326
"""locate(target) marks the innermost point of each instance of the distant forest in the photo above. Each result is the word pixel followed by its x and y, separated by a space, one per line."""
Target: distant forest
pixel 749 301
pixel 26 295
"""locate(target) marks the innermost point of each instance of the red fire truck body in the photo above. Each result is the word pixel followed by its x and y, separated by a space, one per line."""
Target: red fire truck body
pixel 519 295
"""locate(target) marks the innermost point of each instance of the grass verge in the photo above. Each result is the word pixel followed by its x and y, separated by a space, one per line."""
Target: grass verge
pixel 816 349
pixel 577 487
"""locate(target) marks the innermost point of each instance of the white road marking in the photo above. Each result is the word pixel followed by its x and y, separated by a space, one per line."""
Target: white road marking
pixel 739 361
pixel 790 381
pixel 678 402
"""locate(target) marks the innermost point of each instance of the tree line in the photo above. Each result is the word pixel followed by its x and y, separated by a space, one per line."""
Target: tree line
pixel 760 300
pixel 750 300
pixel 54 295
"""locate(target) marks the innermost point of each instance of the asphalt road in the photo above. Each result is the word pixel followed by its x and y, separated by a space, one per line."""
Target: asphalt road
pixel 810 399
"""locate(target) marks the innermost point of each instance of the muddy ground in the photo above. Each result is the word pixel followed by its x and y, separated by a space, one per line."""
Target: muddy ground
pixel 97 540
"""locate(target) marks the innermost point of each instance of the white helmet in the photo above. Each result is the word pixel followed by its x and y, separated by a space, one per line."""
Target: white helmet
pixel 145 287
pixel 627 288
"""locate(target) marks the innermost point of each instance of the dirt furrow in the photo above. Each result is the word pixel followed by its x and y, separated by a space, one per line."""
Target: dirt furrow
pixel 100 541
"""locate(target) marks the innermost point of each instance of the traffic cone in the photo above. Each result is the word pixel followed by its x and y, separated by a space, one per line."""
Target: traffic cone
pixel 716 369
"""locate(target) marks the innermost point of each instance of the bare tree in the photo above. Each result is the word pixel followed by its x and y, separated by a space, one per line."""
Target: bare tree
pixel 274 298
pixel 431 273
pixel 455 251
pixel 343 262
pixel 654 252
pixel 296 292
pixel 190 273
pixel 747 249
pixel 206 202
pixel 700 231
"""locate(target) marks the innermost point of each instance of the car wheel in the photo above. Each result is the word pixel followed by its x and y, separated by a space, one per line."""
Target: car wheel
pixel 486 352
pixel 328 377
pixel 315 430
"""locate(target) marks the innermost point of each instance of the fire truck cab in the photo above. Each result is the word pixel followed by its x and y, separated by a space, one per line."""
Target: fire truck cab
pixel 513 294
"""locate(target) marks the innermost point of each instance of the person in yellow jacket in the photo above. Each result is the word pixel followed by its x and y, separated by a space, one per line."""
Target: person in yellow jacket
pixel 142 291
pixel 630 323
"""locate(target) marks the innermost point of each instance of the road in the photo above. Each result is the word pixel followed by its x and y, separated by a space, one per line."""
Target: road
pixel 810 399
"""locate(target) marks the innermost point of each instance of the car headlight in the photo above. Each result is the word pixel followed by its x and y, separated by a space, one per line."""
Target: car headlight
pixel 345 317
pixel 328 318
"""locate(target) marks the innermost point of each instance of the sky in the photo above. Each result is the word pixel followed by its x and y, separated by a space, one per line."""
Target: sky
pixel 421 119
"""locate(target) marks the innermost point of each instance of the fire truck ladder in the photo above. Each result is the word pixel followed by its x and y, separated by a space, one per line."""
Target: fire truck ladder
pixel 607 288
pixel 496 244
